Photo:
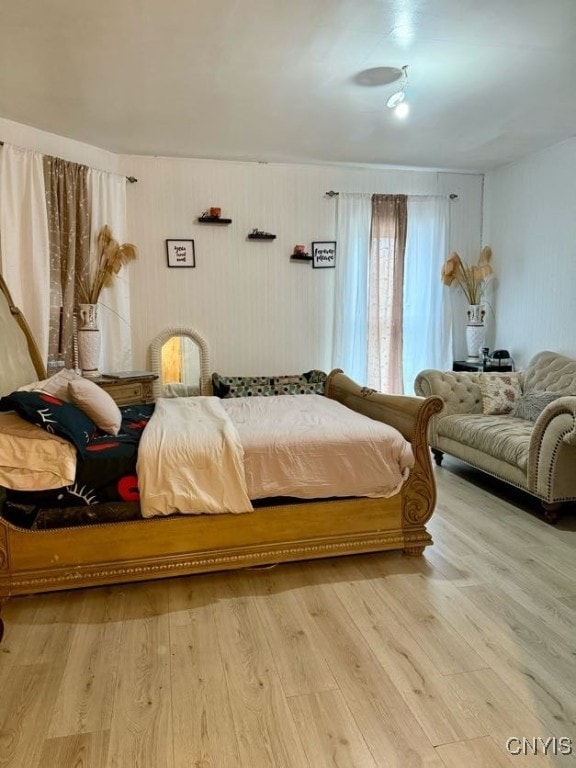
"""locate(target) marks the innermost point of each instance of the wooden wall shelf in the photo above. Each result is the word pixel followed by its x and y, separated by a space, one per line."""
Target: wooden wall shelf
pixel 213 220
pixel 262 236
pixel 300 257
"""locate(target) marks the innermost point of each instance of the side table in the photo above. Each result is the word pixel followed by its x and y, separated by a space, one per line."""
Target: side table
pixel 125 389
pixel 479 367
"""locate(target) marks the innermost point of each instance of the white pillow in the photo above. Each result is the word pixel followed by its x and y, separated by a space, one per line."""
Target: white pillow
pixel 56 385
pixel 96 404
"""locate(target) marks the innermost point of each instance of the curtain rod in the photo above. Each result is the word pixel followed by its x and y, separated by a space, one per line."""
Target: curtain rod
pixel 331 193
pixel 130 179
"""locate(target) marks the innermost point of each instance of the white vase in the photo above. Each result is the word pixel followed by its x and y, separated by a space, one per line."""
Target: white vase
pixel 89 340
pixel 475 332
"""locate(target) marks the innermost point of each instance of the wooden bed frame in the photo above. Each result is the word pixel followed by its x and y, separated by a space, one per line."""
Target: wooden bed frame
pixel 33 561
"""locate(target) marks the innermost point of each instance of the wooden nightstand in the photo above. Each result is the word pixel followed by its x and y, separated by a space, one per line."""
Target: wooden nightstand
pixel 128 390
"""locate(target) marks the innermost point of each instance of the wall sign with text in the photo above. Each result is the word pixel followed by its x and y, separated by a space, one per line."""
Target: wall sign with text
pixel 324 254
pixel 180 253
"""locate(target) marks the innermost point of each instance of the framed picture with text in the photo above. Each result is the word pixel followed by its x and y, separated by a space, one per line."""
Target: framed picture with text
pixel 324 254
pixel 180 253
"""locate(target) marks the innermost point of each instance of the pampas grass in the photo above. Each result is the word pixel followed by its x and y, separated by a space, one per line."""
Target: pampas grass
pixel 111 258
pixel 471 279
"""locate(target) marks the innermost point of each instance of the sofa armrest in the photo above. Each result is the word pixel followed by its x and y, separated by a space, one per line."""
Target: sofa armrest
pixel 559 415
pixel 459 390
pixel 552 453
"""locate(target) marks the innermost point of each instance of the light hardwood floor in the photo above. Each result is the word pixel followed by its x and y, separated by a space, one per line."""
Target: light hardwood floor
pixel 372 661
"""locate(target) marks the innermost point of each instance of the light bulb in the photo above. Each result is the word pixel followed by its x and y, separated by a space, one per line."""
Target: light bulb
pixel 402 110
pixel 395 99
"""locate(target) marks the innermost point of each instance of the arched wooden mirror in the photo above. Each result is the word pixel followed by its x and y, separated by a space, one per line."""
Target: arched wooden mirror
pixel 180 357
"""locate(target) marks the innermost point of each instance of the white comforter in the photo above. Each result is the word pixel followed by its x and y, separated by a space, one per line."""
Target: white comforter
pixel 190 460
pixel 312 447
pixel 203 454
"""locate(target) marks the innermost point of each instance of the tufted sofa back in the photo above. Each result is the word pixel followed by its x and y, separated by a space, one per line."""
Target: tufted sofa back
pixel 550 372
pixel 460 391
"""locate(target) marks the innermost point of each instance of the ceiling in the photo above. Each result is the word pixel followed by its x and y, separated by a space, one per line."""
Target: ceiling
pixel 281 80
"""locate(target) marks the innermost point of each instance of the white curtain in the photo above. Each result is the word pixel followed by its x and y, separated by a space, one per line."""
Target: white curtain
pixel 426 315
pixel 24 238
pixel 350 349
pixel 107 200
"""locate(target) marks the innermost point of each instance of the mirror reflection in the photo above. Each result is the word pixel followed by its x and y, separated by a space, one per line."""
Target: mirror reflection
pixel 180 357
pixel 180 367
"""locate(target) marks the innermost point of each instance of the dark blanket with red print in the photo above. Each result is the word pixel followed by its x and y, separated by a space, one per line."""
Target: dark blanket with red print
pixel 106 473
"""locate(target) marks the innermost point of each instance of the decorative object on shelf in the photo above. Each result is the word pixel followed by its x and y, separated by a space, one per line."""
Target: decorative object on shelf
pixel 180 253
pixel 89 340
pixel 111 257
pixel 258 234
pixel 324 254
pixel 473 281
pixel 208 217
pixel 299 254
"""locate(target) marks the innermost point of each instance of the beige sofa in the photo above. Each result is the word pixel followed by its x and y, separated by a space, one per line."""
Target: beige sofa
pixel 538 456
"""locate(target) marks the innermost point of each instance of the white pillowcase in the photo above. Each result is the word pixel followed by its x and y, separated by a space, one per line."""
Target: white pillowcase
pixel 56 385
pixel 96 404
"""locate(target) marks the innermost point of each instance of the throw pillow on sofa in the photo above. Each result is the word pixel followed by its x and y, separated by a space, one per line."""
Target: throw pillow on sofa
pixel 500 392
pixel 531 405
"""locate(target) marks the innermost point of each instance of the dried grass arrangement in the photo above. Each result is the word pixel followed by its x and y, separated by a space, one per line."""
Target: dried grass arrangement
pixel 111 258
pixel 471 279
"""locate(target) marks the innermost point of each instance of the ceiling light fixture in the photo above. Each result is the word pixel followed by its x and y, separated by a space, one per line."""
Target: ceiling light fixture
pixel 397 101
pixel 402 109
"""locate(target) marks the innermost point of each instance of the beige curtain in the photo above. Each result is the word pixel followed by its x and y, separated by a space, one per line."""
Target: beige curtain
pixel 385 287
pixel 69 240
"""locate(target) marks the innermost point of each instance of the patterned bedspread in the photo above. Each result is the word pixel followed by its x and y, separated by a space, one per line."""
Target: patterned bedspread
pixel 107 474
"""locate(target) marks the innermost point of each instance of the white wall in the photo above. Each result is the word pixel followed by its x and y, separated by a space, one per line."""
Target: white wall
pixel 260 312
pixel 530 221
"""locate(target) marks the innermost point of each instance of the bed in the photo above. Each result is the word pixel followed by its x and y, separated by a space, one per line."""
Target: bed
pixel 83 555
